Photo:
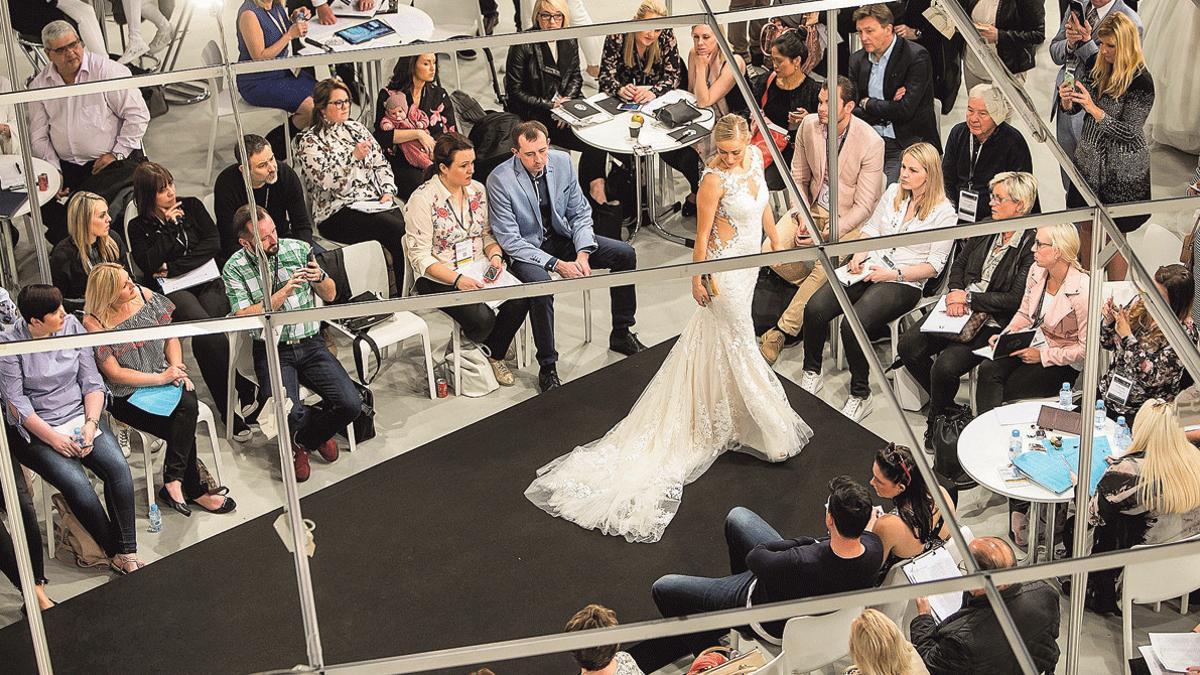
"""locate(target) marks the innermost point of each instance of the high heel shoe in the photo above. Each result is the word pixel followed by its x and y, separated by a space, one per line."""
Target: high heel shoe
pixel 165 497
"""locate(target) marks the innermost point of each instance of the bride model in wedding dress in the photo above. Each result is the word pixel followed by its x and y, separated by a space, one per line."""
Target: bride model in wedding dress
pixel 714 392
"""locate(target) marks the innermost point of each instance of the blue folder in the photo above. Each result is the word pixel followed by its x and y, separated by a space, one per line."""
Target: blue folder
pixel 160 400
pixel 1052 469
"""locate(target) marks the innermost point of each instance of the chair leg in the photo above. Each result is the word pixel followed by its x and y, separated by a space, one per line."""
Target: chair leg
pixel 530 348
pixel 456 348
pixel 1183 603
pixel 350 437
pixel 212 138
pixel 231 388
pixel 206 418
pixel 48 508
pixel 149 467
pixel 587 317
pixel 839 353
pixel 1126 630
pixel 429 364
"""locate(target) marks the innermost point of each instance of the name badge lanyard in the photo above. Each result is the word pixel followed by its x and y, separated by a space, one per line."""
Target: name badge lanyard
pixel 825 187
pixel 282 26
pixel 458 219
pixel 975 152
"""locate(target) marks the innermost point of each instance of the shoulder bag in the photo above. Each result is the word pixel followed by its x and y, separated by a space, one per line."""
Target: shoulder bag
pixel 779 136
pixel 725 661
pixel 945 430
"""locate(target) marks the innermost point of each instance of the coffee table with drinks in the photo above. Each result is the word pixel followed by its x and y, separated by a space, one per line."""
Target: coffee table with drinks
pixel 607 124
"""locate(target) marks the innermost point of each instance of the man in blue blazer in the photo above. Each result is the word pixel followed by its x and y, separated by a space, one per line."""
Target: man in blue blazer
pixel 544 224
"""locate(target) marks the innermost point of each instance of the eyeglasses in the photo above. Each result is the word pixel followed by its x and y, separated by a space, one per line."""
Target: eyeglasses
pixel 1000 200
pixel 556 17
pixel 1038 244
pixel 70 47
pixel 341 103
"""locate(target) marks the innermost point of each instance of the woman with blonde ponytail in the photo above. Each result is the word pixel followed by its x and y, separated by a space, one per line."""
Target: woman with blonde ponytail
pixel 1150 496
pixel 1056 304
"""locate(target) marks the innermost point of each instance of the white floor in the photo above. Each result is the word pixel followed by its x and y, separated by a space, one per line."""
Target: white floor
pixel 408 418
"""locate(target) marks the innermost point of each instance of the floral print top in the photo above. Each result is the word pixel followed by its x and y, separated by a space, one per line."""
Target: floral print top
pixel 432 224
pixel 1122 519
pixel 665 75
pixel 334 178
pixel 1151 365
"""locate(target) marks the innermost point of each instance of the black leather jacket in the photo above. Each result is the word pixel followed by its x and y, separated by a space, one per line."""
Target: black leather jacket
pixel 532 81
pixel 1020 28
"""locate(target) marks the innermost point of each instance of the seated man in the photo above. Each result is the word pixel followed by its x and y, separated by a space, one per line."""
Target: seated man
pixel 302 353
pixel 94 139
pixel 860 183
pixel 276 188
pixel 544 224
pixel 971 640
pixel 768 568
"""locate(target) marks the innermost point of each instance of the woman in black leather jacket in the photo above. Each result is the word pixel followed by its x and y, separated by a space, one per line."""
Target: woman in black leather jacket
pixel 1019 27
pixel 539 76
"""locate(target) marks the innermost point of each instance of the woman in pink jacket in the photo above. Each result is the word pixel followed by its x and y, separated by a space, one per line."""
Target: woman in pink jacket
pixel 1056 306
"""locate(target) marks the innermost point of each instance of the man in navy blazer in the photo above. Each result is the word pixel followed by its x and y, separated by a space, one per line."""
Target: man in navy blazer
pixel 544 224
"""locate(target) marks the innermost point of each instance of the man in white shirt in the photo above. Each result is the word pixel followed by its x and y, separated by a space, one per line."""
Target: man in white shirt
pixel 94 139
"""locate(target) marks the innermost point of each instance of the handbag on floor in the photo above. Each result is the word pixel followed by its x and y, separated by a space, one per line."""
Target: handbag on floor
pixel 364 424
pixel 725 661
pixel 73 540
pixel 477 376
pixel 946 428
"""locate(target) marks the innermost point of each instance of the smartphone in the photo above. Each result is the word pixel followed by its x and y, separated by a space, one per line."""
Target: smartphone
pixel 1069 80
pixel 492 274
pixel 629 106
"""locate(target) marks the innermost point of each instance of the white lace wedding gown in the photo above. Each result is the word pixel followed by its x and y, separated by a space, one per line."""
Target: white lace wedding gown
pixel 714 392
pixel 1172 30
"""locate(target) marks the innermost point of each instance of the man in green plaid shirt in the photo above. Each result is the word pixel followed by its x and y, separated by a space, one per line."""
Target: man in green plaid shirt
pixel 302 352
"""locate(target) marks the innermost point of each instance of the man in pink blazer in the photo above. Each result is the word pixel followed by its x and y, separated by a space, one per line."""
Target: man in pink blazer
pixel 860 183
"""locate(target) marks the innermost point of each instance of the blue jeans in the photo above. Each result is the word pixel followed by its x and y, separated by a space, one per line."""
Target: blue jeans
pixel 113 530
pixel 681 595
pixel 309 362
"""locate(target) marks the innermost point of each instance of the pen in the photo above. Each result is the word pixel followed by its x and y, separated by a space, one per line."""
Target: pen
pixel 18 168
pixel 318 45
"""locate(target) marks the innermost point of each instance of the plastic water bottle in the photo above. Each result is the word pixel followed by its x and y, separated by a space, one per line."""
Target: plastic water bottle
pixel 1098 423
pixel 1015 445
pixel 155 519
pixel 1124 436
pixel 77 436
pixel 1064 396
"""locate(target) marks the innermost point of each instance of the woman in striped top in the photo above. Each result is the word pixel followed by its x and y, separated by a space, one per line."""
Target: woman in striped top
pixel 114 302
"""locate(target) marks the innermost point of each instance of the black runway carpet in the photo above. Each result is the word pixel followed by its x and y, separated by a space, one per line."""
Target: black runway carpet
pixel 438 548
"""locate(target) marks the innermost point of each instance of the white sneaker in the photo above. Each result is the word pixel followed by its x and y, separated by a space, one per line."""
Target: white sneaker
pixel 137 48
pixel 122 433
pixel 162 40
pixel 811 382
pixel 856 408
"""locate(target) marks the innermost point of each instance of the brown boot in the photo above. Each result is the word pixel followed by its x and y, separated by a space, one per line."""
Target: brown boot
pixel 770 344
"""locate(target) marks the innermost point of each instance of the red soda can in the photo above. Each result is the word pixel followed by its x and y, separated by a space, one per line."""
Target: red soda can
pixel 443 388
pixel 43 182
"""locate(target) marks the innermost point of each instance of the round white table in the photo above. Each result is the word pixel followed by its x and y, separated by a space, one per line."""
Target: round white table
pixel 613 135
pixel 8 264
pixel 983 453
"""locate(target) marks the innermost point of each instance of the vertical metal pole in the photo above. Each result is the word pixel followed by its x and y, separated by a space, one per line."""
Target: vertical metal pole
pixel 834 103
pixel 1091 380
pixel 16 526
pixel 308 607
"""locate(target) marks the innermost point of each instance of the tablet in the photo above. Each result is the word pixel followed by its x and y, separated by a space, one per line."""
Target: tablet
pixel 365 32
pixel 1011 342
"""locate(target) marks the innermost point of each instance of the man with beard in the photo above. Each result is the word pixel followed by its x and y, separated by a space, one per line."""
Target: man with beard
pixel 276 188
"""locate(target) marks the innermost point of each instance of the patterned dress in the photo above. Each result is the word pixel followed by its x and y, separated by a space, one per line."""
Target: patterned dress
pixel 1113 154
pixel 1146 360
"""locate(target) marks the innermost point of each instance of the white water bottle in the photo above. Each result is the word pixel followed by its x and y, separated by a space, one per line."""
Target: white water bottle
pixel 155 519
pixel 1098 423
pixel 1015 446
pixel 1124 437
pixel 1064 396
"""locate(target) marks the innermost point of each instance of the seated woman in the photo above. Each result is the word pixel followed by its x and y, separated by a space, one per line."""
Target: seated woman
pixel 789 97
pixel 988 278
pixel 345 170
pixel 56 401
pixel 1143 365
pixel 92 241
pixel 915 525
pixel 171 237
pixel 114 302
pixel 638 68
pixel 413 111
pixel 266 31
pixel 449 211
pixel 894 278
pixel 606 660
pixel 1151 495
pixel 877 647
pixel 29 17
pixel 1055 303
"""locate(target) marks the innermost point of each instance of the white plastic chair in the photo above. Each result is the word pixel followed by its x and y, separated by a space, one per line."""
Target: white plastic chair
pixel 366 270
pixel 1153 582
pixel 222 104
pixel 1155 246
pixel 206 419
pixel 811 643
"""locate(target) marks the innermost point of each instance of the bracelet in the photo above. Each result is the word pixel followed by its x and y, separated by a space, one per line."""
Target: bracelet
pixel 455 283
pixel 92 420
pixel 495 255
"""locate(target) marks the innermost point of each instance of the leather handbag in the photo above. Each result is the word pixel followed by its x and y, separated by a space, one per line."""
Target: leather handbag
pixel 969 331
pixel 778 135
pixel 945 430
pixel 725 661
pixel 677 114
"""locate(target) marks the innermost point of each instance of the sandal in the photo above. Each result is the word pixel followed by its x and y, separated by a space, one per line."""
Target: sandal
pixel 126 563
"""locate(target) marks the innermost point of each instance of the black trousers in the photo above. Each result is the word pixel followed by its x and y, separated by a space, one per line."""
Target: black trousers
pixel 208 301
pixel 1011 379
pixel 33 536
pixel 408 177
pixel 609 254
pixel 875 303
pixel 178 430
pixel 892 152
pixel 481 324
pixel 938 363
pixel 348 226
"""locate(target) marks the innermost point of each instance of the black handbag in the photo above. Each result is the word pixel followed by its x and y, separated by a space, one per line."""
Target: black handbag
pixel 364 424
pixel 944 432
pixel 677 114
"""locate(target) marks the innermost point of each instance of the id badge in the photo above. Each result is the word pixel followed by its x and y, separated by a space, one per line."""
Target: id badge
pixel 464 253
pixel 1119 389
pixel 968 205
pixel 823 197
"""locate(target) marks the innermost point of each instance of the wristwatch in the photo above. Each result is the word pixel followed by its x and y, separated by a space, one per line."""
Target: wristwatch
pixel 899 275
pixel 969 294
pixel 119 155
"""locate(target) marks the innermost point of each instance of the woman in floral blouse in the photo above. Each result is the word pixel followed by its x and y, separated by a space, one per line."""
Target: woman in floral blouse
pixel 348 178
pixel 448 233
pixel 1144 366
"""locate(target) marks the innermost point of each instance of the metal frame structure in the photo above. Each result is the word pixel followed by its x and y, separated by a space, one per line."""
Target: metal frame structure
pixel 824 251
